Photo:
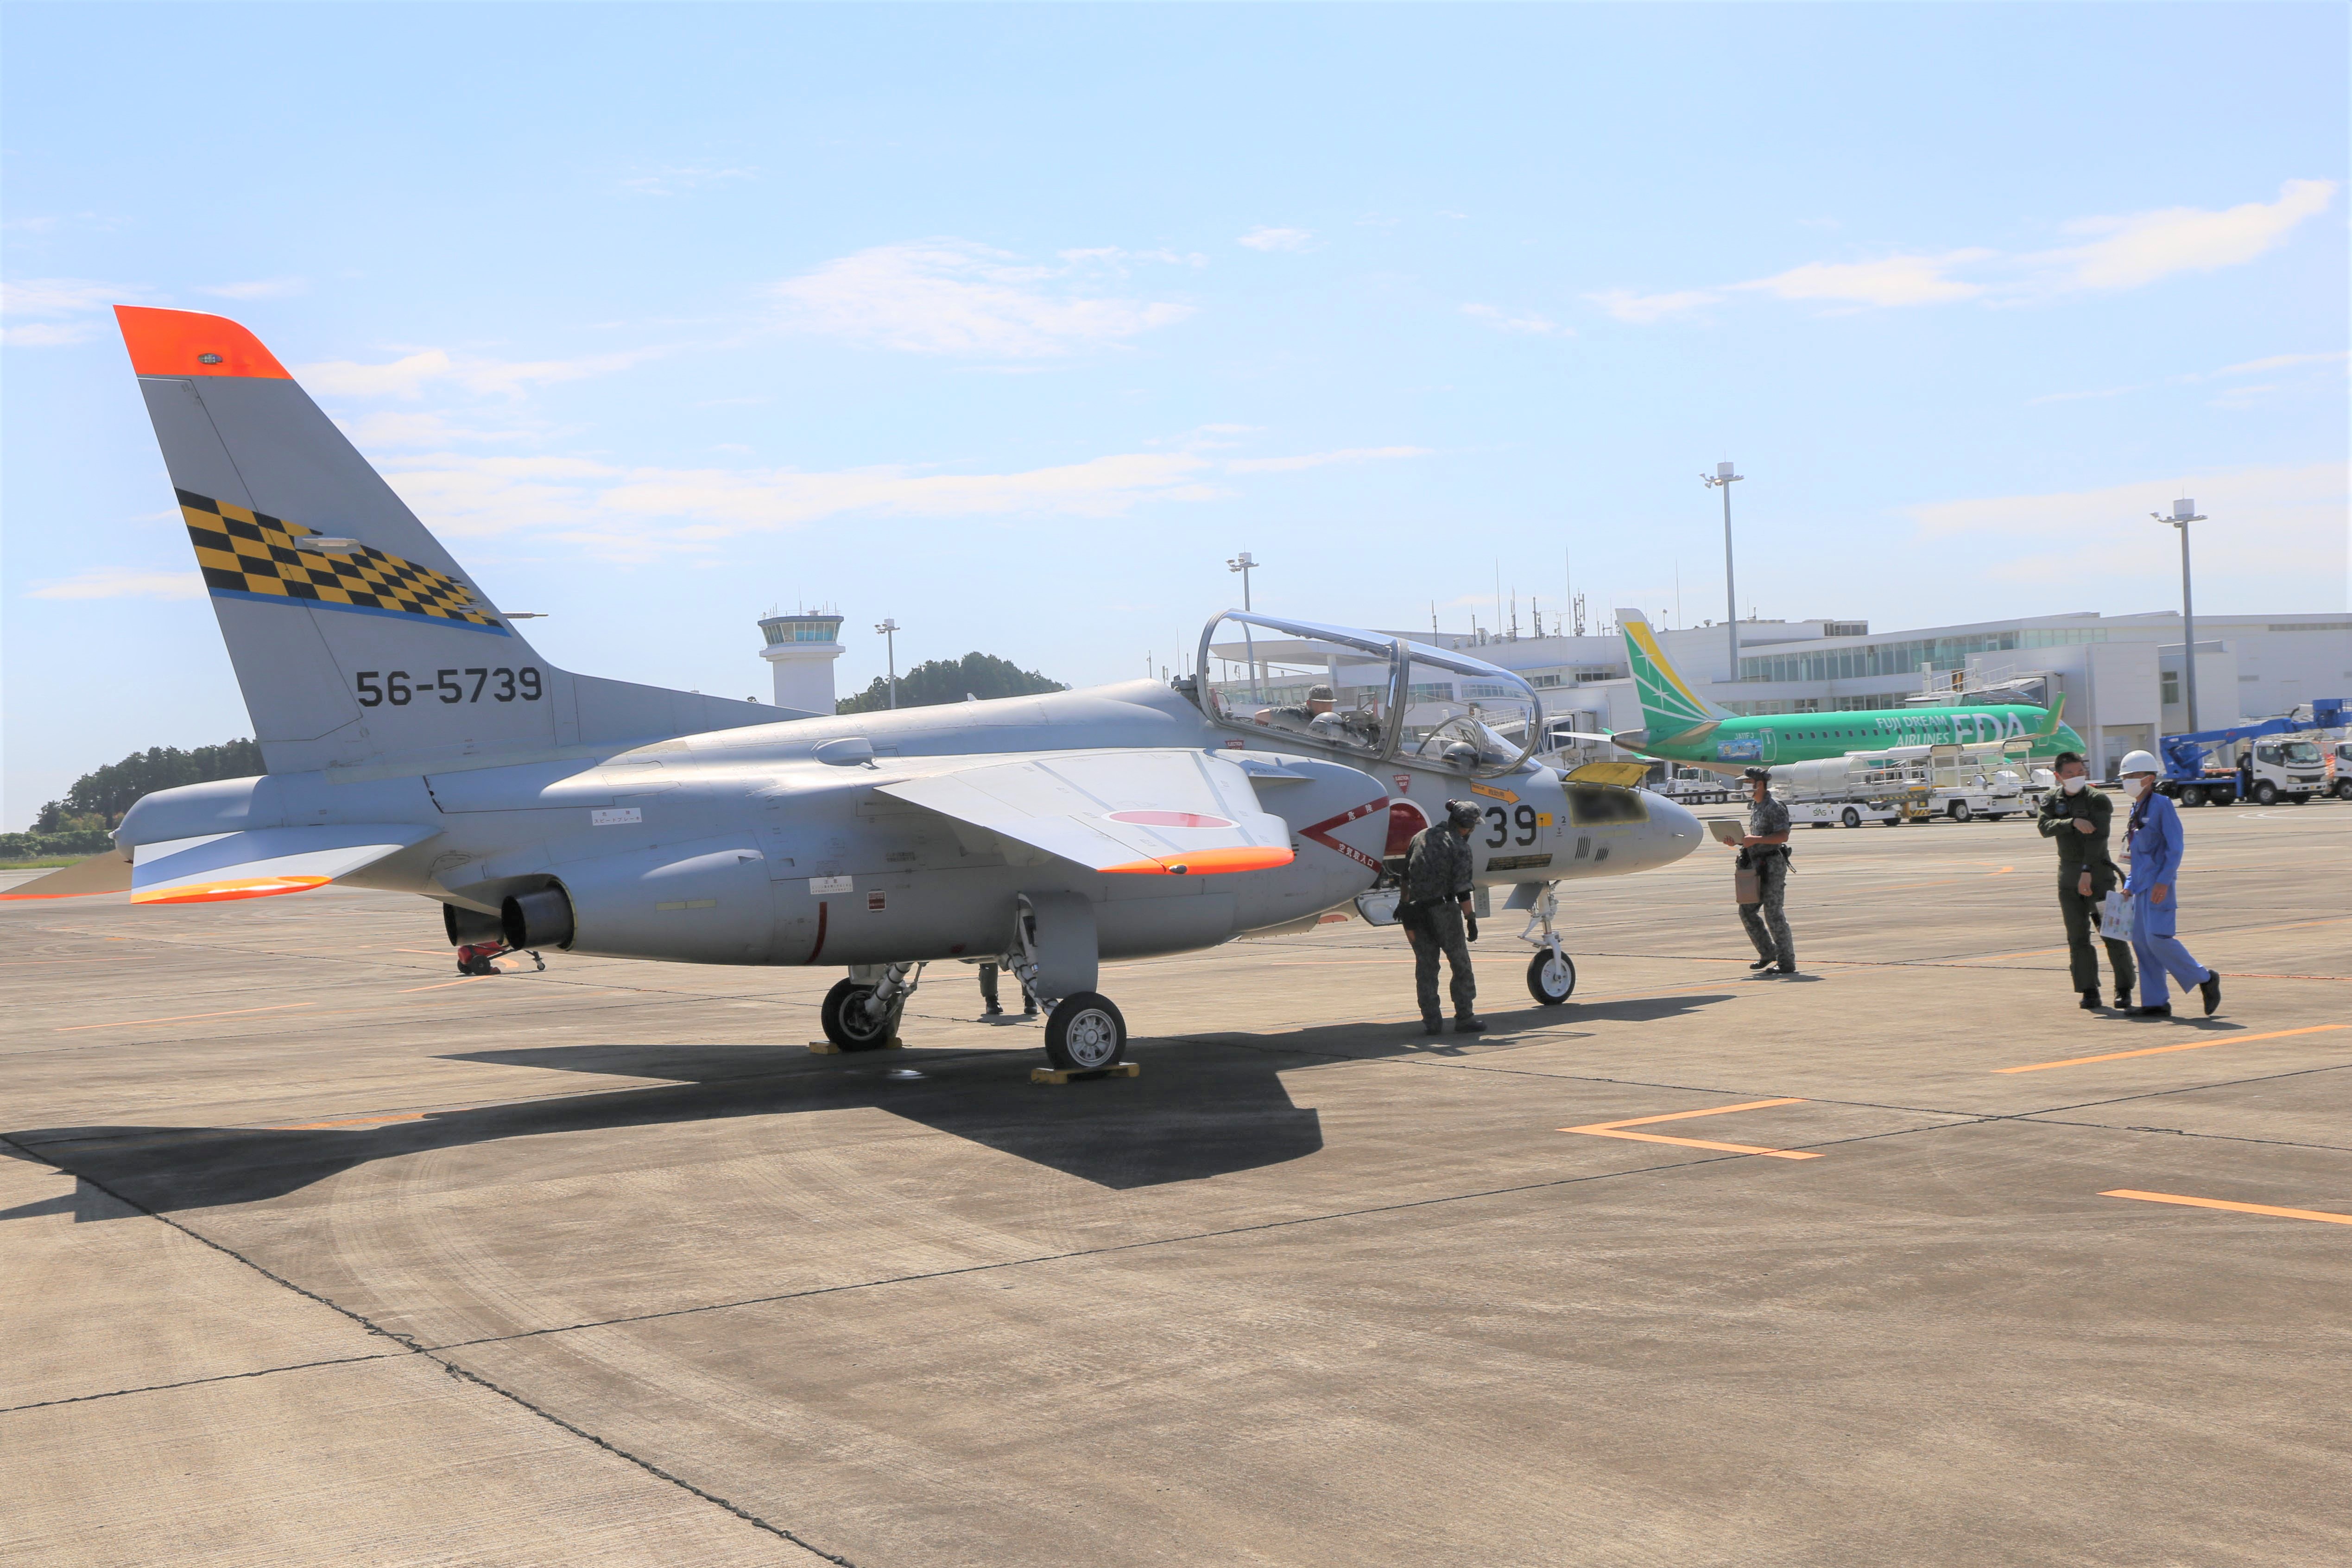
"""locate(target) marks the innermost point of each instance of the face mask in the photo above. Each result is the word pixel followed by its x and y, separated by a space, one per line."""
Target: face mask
pixel 2076 784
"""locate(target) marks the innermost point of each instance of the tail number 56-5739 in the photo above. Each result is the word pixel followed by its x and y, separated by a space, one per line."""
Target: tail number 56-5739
pixel 400 689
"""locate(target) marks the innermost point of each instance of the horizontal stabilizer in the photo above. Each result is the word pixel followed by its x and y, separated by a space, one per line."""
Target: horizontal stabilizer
pixel 261 862
pixel 106 872
pixel 1146 812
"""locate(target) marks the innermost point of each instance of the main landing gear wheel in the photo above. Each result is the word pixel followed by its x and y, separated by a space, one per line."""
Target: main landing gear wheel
pixel 1850 818
pixel 1085 1031
pixel 1552 977
pixel 845 1022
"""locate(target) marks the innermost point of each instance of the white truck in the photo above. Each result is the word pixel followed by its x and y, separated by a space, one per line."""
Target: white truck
pixel 1906 784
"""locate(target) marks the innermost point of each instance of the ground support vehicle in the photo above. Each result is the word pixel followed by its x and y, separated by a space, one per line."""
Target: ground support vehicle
pixel 1845 812
pixel 2279 766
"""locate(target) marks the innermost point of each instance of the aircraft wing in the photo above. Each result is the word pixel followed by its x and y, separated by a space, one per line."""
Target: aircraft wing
pixel 262 862
pixel 1172 813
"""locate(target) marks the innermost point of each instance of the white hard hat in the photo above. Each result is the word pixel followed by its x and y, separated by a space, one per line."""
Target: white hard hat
pixel 2138 763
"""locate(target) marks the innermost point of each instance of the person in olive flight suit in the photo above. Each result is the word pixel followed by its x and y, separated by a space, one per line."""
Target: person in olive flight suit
pixel 1435 911
pixel 2079 818
pixel 1764 849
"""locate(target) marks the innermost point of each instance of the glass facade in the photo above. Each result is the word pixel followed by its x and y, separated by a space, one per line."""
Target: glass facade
pixel 780 629
pixel 1904 659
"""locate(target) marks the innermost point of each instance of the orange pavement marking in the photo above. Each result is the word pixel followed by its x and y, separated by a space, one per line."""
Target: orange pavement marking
pixel 181 1018
pixel 2235 1208
pixel 444 984
pixel 354 1121
pixel 2189 1045
pixel 1615 1130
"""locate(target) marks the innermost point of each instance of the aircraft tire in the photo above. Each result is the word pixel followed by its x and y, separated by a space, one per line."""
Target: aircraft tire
pixel 1552 977
pixel 851 1030
pixel 1085 1031
pixel 1850 818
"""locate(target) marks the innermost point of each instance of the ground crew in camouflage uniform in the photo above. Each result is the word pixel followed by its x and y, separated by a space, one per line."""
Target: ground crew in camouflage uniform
pixel 2078 817
pixel 1434 911
pixel 1765 852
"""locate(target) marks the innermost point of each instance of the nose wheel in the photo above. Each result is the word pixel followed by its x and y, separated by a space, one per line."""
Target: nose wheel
pixel 1552 977
pixel 1085 1031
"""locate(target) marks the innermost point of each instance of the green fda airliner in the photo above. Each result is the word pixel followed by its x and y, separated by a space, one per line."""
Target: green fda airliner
pixel 1678 725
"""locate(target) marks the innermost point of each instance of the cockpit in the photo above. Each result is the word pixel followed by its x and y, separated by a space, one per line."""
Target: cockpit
pixel 1365 695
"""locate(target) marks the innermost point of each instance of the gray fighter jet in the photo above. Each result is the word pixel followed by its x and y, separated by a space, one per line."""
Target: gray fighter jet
pixel 415 743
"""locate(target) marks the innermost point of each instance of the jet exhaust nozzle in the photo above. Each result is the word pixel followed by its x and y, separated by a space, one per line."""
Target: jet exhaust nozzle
pixel 536 919
pixel 470 928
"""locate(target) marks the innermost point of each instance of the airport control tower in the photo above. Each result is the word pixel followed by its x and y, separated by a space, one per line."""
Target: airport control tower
pixel 801 647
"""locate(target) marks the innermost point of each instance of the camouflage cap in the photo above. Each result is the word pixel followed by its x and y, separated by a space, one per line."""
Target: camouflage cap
pixel 1752 774
pixel 1463 813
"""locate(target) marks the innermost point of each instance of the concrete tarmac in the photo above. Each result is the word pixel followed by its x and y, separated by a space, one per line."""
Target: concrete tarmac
pixel 312 1253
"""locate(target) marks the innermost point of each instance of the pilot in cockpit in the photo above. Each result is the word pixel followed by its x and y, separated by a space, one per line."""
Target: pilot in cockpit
pixel 1298 715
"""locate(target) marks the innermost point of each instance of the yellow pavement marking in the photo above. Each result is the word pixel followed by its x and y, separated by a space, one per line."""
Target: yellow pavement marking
pixel 350 1121
pixel 2319 1215
pixel 2188 1045
pixel 1616 1130
pixel 181 1018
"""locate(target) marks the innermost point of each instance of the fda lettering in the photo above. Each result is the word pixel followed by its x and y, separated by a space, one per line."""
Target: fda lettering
pixel 399 688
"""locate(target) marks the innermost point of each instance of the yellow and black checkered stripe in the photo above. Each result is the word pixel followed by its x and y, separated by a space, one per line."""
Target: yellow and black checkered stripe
pixel 253 554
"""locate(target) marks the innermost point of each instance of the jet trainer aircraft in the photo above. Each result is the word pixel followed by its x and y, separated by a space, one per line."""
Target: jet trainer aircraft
pixel 417 742
pixel 1678 725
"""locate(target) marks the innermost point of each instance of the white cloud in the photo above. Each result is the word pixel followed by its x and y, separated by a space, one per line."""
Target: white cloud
pixel 2281 361
pixel 437 429
pixel 258 289
pixel 1644 308
pixel 409 375
pixel 1891 281
pixel 1321 460
pixel 2128 252
pixel 1531 323
pixel 1278 238
pixel 637 513
pixel 678 178
pixel 63 310
pixel 48 334
pixel 952 297
pixel 2141 248
pixel 122 582
pixel 2267 527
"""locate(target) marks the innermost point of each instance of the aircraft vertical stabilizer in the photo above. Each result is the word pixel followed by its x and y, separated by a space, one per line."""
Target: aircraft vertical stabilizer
pixel 1669 707
pixel 356 639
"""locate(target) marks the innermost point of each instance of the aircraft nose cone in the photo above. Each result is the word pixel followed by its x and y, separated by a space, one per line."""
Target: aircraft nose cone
pixel 1677 831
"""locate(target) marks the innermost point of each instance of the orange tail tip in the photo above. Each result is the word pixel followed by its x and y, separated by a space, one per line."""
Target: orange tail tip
pixel 1207 862
pixel 189 342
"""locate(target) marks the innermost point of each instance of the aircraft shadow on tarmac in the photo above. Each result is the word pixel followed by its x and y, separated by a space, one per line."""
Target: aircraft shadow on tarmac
pixel 1198 1110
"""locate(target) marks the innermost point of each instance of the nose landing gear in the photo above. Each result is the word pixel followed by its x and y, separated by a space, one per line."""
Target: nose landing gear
pixel 1552 974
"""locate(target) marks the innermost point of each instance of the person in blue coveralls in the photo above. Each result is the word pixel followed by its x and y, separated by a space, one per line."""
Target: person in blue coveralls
pixel 2154 883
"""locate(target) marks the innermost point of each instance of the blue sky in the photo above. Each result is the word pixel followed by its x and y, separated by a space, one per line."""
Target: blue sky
pixel 1014 324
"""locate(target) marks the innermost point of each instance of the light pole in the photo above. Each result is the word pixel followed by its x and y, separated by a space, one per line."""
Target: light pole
pixel 1724 479
pixel 1245 563
pixel 889 630
pixel 2184 512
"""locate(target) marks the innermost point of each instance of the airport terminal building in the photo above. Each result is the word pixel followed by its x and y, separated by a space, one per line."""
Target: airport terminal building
pixel 2121 675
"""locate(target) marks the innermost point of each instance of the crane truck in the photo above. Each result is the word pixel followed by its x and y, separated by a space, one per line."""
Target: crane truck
pixel 2278 768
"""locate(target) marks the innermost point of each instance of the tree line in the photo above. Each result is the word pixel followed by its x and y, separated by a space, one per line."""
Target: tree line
pixel 939 680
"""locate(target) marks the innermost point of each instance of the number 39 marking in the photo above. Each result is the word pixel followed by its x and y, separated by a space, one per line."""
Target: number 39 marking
pixel 400 689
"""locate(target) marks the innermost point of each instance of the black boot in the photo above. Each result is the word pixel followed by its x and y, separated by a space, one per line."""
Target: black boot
pixel 2091 1000
pixel 1469 1025
pixel 2122 996
pixel 1433 1025
pixel 2163 1010
pixel 2211 989
pixel 1764 963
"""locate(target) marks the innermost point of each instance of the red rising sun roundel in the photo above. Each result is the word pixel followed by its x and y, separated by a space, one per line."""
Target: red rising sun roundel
pixel 1170 819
